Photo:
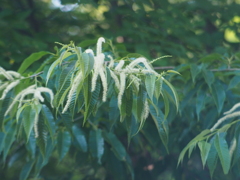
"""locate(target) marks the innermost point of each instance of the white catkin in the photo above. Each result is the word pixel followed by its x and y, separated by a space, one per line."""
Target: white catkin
pixel 120 65
pixel 104 84
pixel 99 45
pixel 89 51
pixel 233 147
pixel 115 78
pixel 8 88
pixel 122 88
pixel 76 82
pixel 146 109
pixel 3 86
pixel 27 92
pixel 111 64
pixel 49 91
pixel 135 80
pixel 98 66
pixel 37 95
pixel 15 74
pixel 5 74
pixel 36 125
pixel 232 109
pixel 17 97
pixel 235 114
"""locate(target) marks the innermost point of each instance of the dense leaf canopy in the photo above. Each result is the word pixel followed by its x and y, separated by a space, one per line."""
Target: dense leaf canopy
pixel 78 109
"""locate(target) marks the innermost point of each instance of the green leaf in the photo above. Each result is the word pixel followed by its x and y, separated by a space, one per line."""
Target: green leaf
pixel 210 58
pixel 195 70
pixel 9 139
pixel 212 158
pixel 53 65
pixel 166 103
pixel 209 77
pixel 42 135
pixel 80 138
pixel 223 152
pixel 172 71
pixel 96 144
pixel 2 139
pixel 28 119
pixel 193 142
pixel 63 143
pixel 219 95
pixel 204 150
pixel 234 82
pixel 31 145
pixel 116 145
pixel 158 87
pixel 161 124
pixel 31 59
pixel 173 91
pixel 200 101
pixel 150 80
pixel 49 120
pixel 26 170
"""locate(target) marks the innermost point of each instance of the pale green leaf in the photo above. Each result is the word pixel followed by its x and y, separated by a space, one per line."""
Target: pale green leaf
pixel 174 93
pixel 150 80
pixel 223 151
pixel 204 150
pixel 28 117
pixel 30 60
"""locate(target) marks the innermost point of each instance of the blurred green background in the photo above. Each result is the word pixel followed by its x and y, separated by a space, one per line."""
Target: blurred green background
pixel 186 30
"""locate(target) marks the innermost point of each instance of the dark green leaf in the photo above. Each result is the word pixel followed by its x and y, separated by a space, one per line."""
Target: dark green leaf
pixel 26 170
pixel 96 144
pixel 80 138
pixel 63 143
pixel 28 119
pixel 218 95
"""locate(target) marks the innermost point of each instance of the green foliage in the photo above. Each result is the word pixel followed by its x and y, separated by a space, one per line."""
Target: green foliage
pixel 80 143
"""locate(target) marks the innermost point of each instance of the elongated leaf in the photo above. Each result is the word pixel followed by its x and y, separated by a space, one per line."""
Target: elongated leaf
pixel 5 104
pixel 166 103
pixel 9 139
pixel 28 119
pixel 150 84
pixel 234 82
pixel 174 93
pixel 116 145
pixel 212 158
pixel 193 142
pixel 80 138
pixel 209 77
pixel 49 120
pixel 2 139
pixel 161 124
pixel 26 170
pixel 31 59
pixel 204 150
pixel 96 144
pixel 113 111
pixel 52 67
pixel 63 143
pixel 42 135
pixel 219 95
pixel 94 98
pixel 158 87
pixel 223 152
pixel 31 145
pixel 195 70
pixel 200 101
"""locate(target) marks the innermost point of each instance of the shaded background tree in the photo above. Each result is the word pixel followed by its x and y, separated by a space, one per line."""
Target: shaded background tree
pixel 187 30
